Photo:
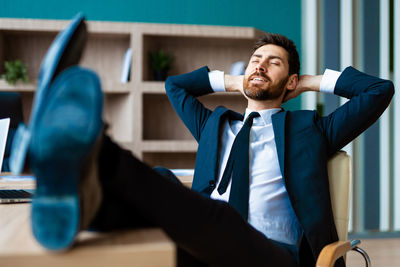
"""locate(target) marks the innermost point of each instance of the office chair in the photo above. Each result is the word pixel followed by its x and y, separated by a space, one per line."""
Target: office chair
pixel 10 107
pixel 340 180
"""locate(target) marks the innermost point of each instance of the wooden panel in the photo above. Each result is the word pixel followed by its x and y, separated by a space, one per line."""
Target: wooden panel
pixel 233 101
pixel 169 146
pixel 18 247
pixel 18 86
pixel 198 31
pixel 192 53
pixel 33 24
pixel 171 160
pixel 118 114
pixel 161 121
pixel 105 55
pixel 44 25
pixel 29 47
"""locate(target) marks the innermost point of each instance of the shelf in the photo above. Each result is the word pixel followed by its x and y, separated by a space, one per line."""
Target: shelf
pixel 194 52
pixel 169 146
pixel 230 100
pixel 28 46
pixel 198 31
pixel 139 114
pixel 118 114
pixel 104 53
pixel 160 121
pixel 19 87
pixel 43 25
pixel 151 87
pixel 116 87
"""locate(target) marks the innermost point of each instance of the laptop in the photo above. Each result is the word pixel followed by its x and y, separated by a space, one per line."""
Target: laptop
pixel 4 125
pixel 10 195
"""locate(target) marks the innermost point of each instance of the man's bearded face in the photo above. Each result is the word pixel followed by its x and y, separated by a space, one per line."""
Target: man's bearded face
pixel 267 73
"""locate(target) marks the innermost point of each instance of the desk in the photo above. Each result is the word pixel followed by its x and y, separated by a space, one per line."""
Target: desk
pixel 143 247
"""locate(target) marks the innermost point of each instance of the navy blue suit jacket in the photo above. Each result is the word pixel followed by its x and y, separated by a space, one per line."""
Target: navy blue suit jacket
pixel 304 141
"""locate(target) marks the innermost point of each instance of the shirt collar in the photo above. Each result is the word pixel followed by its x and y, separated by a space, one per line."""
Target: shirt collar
pixel 265 115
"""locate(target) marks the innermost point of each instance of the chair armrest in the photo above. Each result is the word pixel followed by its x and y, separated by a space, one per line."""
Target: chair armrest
pixel 330 253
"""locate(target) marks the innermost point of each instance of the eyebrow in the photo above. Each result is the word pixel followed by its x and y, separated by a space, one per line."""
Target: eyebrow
pixel 269 57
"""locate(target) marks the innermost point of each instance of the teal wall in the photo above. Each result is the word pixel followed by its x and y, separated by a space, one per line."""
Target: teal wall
pixel 283 16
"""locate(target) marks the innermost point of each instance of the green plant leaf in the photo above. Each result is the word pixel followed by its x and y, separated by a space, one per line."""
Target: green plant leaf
pixel 15 71
pixel 160 61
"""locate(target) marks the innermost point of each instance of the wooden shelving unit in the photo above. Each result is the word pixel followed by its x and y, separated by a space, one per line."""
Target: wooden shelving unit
pixel 139 114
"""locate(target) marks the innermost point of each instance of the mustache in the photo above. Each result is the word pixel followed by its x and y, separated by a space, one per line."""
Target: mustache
pixel 257 73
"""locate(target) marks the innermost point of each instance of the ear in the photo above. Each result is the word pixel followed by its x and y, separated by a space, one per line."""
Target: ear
pixel 292 82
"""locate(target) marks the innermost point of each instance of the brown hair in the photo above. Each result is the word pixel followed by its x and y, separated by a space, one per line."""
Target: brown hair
pixel 284 42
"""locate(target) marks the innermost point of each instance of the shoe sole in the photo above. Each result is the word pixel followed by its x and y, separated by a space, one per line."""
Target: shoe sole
pixel 62 138
pixel 64 51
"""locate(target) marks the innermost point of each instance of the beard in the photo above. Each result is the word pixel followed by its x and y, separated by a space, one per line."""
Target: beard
pixel 270 92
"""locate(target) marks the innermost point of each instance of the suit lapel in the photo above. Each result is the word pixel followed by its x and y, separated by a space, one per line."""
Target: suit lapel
pixel 278 123
pixel 206 169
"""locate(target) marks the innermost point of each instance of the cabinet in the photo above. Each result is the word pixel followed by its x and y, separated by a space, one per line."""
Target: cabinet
pixel 138 112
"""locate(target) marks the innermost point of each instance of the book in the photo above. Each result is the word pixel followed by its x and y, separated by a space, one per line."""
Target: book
pixel 126 66
pixel 237 68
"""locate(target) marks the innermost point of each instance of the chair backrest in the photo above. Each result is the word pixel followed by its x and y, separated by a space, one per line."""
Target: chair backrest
pixel 340 179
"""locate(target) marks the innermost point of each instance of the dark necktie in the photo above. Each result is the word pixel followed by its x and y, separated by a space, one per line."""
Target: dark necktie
pixel 238 167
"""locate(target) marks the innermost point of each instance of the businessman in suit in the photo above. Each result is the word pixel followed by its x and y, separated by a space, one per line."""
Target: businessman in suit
pixel 279 211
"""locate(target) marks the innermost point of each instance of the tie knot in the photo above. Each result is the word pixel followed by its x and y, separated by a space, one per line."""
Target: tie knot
pixel 249 120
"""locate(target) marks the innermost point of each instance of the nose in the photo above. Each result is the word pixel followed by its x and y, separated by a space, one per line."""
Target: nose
pixel 260 68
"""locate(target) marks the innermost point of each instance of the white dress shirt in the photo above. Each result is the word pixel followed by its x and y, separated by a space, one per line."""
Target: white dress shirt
pixel 270 210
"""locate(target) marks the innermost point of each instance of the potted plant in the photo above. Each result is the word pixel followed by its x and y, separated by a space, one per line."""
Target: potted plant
pixel 160 63
pixel 15 71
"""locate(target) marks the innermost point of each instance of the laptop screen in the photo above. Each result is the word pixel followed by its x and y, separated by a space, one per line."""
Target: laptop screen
pixel 4 124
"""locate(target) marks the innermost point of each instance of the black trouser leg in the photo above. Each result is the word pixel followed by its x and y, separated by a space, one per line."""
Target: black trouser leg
pixel 210 230
pixel 184 259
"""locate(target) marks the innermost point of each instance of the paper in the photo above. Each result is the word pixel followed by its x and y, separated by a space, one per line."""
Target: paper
pixel 4 124
pixel 17 178
pixel 19 149
pixel 182 172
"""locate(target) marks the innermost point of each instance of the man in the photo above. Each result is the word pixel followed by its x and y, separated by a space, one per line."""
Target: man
pixel 282 218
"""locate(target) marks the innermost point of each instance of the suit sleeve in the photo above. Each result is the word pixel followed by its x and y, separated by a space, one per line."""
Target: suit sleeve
pixel 182 91
pixel 369 97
